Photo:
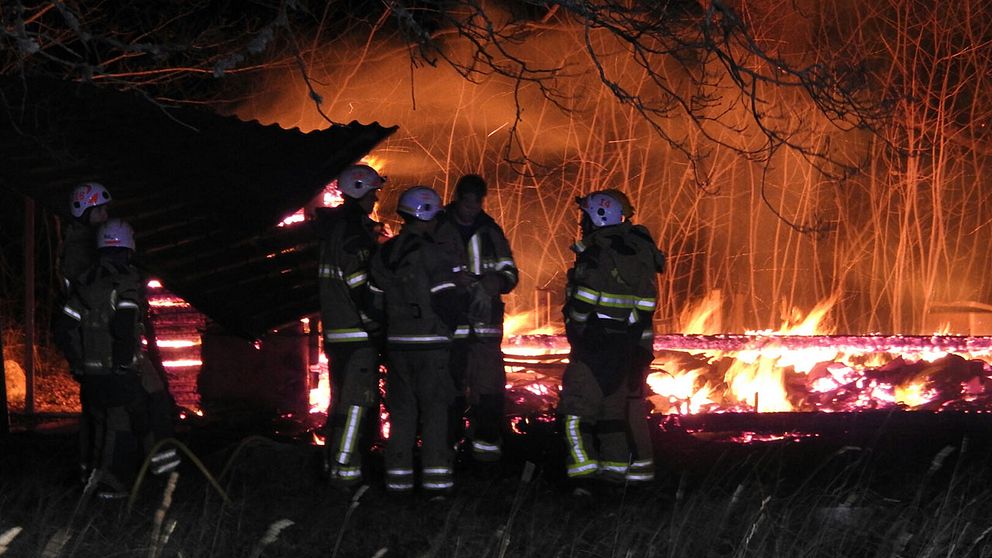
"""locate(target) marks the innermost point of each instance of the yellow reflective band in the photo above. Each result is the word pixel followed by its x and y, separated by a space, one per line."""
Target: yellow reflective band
pixel 357 279
pixel 583 469
pixel 609 300
pixel 586 295
pixel 348 472
pixel 575 439
pixel 345 335
pixel 350 434
pixel 646 304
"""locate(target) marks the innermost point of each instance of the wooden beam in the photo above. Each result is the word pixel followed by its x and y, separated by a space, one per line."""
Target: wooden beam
pixel 4 412
pixel 29 303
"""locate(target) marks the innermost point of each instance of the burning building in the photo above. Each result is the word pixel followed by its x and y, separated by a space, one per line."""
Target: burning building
pixel 820 192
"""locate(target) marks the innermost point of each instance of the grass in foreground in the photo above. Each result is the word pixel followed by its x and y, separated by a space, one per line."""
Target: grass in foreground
pixel 904 495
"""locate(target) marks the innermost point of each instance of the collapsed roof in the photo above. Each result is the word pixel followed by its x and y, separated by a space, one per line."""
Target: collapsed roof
pixel 205 193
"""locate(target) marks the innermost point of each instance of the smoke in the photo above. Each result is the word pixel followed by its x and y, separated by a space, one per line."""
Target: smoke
pixel 771 228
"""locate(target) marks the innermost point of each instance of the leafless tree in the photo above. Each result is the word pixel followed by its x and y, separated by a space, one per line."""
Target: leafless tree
pixel 698 57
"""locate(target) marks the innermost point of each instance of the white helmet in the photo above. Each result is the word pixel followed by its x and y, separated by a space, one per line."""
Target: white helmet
pixel 420 202
pixel 87 195
pixel 358 180
pixel 115 233
pixel 602 208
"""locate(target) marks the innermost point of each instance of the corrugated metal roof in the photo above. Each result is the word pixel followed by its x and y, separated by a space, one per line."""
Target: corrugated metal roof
pixel 204 192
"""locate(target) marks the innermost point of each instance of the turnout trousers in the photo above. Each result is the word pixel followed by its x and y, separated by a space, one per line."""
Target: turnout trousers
pixel 480 383
pixel 638 410
pixel 354 371
pixel 593 408
pixel 419 392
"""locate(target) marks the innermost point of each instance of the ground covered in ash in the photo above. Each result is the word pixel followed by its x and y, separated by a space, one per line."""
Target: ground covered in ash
pixel 883 484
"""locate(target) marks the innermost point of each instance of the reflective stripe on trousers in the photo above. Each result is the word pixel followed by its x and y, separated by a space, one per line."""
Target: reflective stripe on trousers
pixel 399 480
pixel 641 471
pixel 580 464
pixel 349 435
pixel 437 478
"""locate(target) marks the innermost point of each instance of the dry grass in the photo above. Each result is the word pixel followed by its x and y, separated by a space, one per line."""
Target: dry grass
pixel 891 494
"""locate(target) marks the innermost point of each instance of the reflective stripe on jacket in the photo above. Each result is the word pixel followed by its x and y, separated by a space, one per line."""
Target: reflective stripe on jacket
pixel 486 251
pixel 347 240
pixel 413 281
pixel 103 319
pixel 614 277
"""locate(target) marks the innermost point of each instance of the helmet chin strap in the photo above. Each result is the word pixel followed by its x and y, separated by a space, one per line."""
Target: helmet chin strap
pixel 585 224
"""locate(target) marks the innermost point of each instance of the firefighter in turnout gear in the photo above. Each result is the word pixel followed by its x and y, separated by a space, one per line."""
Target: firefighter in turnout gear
pixel 487 271
pixel 88 206
pixel 102 331
pixel 610 298
pixel 638 409
pixel 351 338
pixel 414 281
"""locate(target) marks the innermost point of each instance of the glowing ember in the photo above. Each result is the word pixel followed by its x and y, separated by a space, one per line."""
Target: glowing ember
pixel 182 363
pixel 177 343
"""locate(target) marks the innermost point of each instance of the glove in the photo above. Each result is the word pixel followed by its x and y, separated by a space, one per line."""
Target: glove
pixel 480 305
pixel 124 371
pixel 574 330
pixel 491 283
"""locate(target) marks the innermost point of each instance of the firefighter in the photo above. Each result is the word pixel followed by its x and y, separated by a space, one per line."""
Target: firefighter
pixel 638 424
pixel 415 285
pixel 102 332
pixel 487 271
pixel 348 238
pixel 610 298
pixel 88 205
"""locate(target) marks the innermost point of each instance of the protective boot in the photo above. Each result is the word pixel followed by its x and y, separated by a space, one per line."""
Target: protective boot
pixel 437 480
pixel 399 480
pixel 642 465
pixel 486 442
pixel 613 454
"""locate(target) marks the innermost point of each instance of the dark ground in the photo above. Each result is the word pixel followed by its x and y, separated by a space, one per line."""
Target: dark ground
pixel 867 484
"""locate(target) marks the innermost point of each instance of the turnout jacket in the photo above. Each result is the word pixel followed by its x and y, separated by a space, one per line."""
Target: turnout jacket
pixel 413 282
pixel 78 253
pixel 348 238
pixel 482 251
pixel 102 320
pixel 613 282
